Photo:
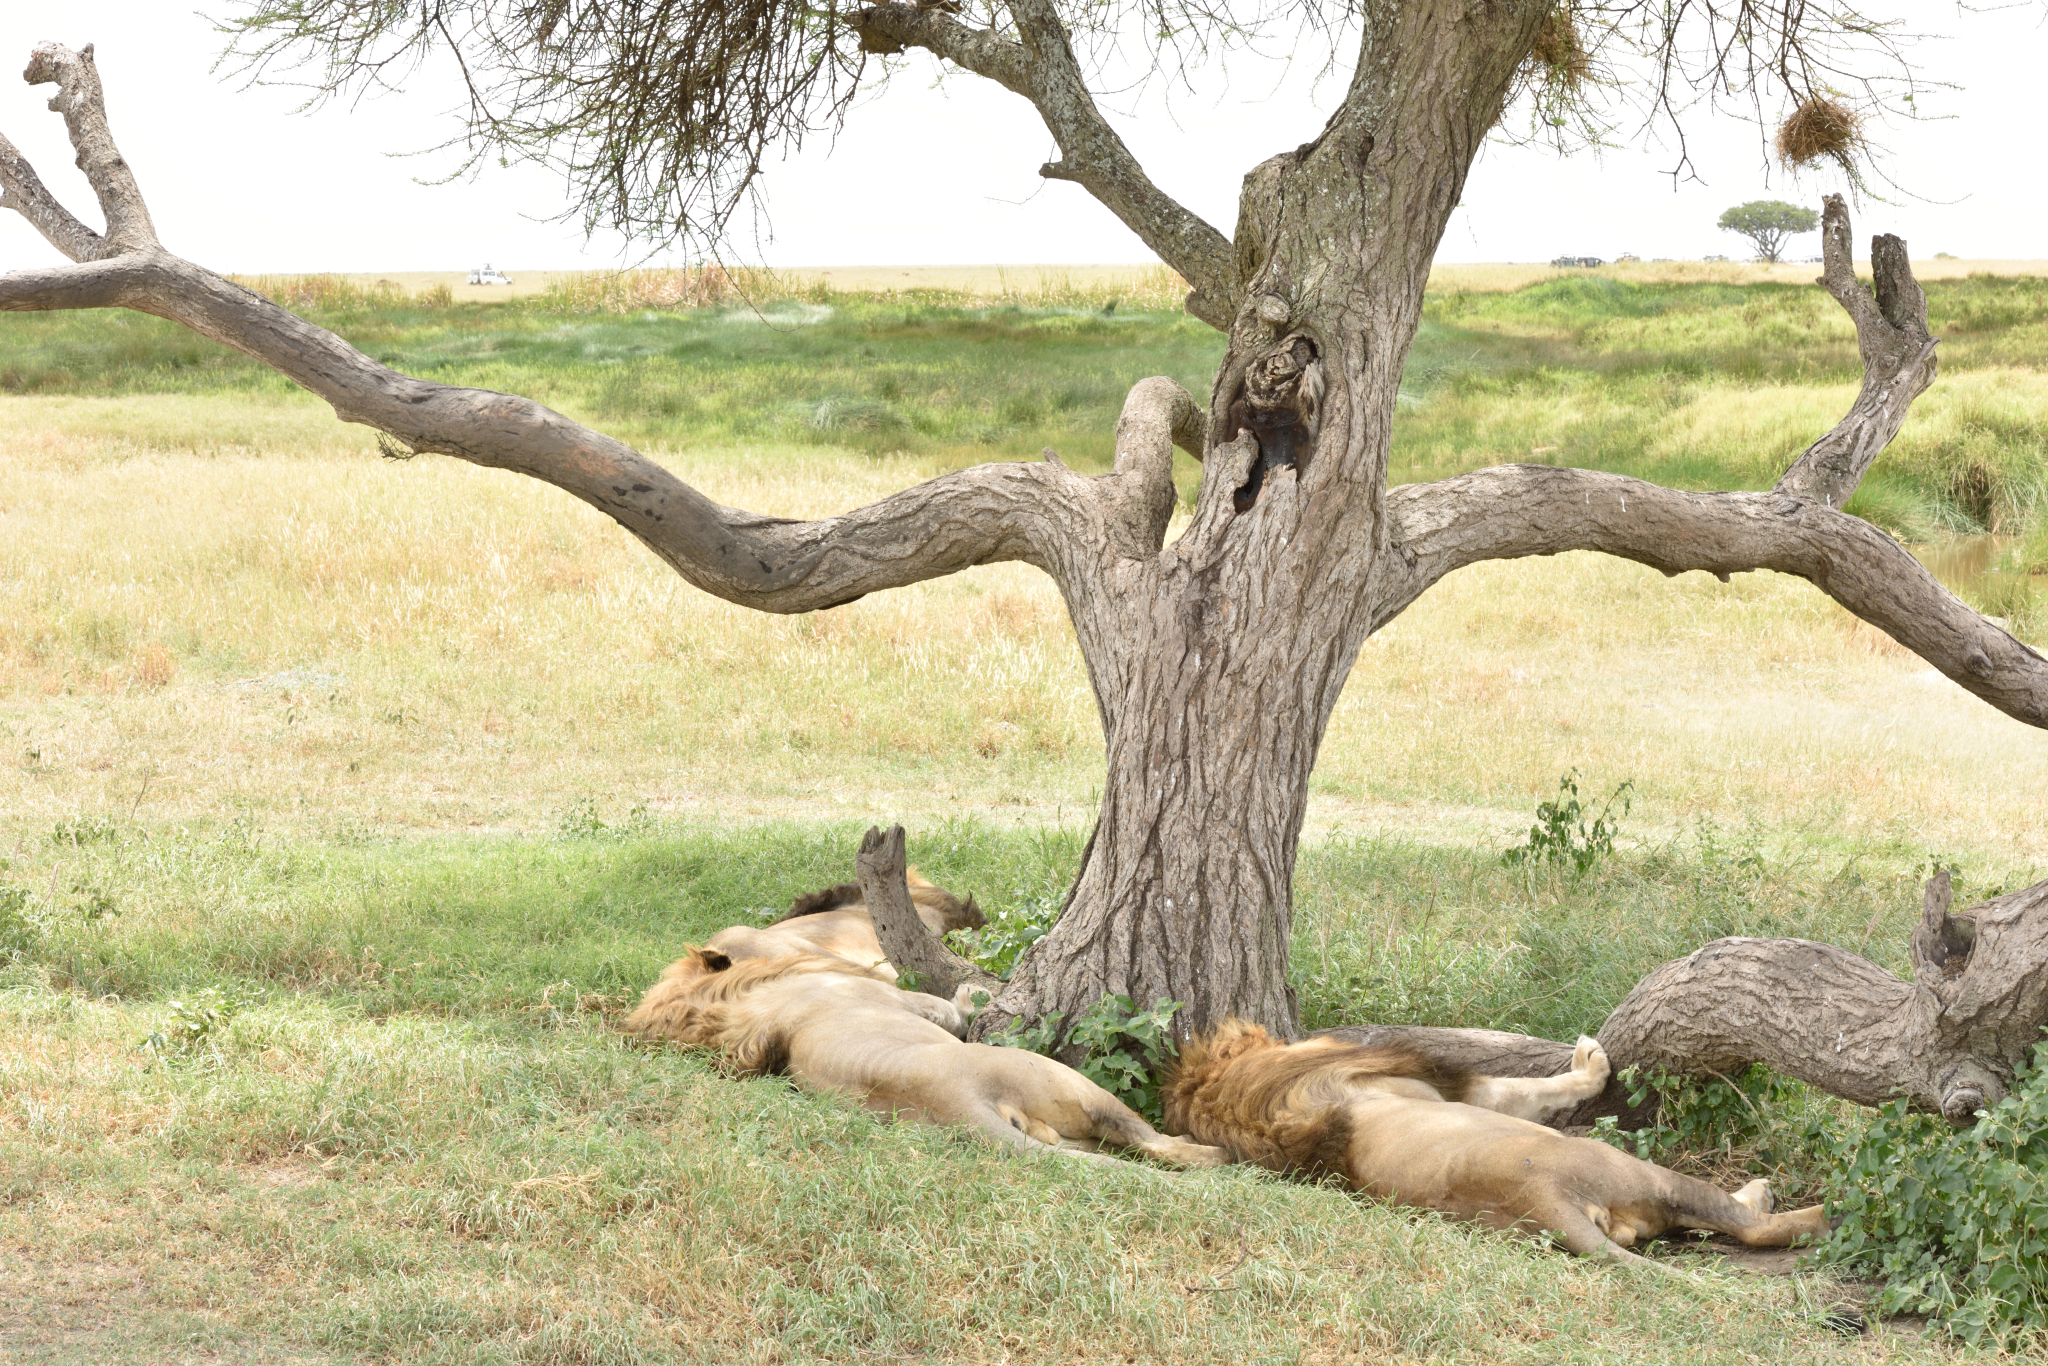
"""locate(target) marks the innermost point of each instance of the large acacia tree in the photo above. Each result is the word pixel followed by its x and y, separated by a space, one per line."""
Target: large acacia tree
pixel 1215 660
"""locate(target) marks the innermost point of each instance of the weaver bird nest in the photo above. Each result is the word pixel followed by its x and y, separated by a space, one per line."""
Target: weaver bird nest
pixel 1821 129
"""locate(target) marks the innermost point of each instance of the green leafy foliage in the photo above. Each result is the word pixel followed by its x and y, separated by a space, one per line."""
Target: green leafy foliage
pixel 1954 1223
pixel 194 1023
pixel 1753 1120
pixel 84 830
pixel 997 946
pixel 1122 1047
pixel 1564 836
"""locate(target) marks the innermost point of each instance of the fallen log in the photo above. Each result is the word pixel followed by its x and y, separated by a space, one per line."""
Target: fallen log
pixel 1949 1041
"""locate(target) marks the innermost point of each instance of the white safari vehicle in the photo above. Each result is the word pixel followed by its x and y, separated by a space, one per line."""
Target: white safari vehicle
pixel 488 274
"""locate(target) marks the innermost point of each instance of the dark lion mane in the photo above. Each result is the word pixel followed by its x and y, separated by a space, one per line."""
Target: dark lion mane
pixel 821 901
pixel 1272 1102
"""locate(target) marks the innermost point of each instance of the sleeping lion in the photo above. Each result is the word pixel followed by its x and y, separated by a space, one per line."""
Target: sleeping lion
pixel 836 921
pixel 1402 1129
pixel 843 1027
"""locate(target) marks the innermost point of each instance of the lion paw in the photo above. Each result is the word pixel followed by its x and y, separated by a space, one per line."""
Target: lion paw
pixel 1589 1057
pixel 1757 1196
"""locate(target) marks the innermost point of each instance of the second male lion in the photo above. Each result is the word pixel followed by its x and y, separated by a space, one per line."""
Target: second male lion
pixel 835 921
pixel 1399 1128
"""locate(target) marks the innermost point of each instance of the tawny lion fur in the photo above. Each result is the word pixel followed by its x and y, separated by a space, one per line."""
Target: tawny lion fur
pixel 841 1027
pixel 835 921
pixel 1399 1129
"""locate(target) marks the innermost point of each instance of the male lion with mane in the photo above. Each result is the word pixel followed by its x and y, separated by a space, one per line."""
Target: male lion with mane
pixel 835 921
pixel 1401 1128
pixel 838 1026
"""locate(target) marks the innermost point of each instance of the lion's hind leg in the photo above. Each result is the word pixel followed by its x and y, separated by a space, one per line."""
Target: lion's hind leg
pixel 1584 1233
pixel 1008 1127
pixel 1745 1215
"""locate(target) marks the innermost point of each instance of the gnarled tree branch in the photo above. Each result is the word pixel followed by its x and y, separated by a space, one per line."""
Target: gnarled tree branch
pixel 80 101
pixel 1898 360
pixel 1512 511
pixel 909 942
pixel 1949 1041
pixel 1043 514
pixel 1158 415
pixel 1042 69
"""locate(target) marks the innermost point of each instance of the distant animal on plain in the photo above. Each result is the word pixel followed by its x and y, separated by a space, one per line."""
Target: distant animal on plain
pixel 837 1026
pixel 1398 1127
pixel 835 920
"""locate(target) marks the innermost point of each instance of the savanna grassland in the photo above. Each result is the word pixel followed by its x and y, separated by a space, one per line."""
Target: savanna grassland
pixel 345 800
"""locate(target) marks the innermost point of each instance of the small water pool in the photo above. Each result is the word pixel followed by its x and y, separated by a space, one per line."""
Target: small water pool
pixel 1985 571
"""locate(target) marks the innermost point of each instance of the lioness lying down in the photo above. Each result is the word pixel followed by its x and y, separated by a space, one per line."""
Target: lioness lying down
pixel 836 1026
pixel 836 921
pixel 1401 1129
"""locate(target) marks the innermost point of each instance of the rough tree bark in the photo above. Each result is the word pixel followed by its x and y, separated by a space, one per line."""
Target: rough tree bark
pixel 1215 660
pixel 1947 1041
pixel 884 875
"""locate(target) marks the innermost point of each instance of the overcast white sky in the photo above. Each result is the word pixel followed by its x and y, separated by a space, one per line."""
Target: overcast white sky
pixel 938 175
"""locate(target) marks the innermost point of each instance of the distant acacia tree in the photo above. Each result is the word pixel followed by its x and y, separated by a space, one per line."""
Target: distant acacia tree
pixel 1216 654
pixel 1767 223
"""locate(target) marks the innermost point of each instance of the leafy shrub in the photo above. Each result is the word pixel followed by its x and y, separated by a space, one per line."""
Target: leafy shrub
pixel 1954 1223
pixel 1562 834
pixel 84 830
pixel 194 1024
pixel 1121 1047
pixel 997 946
pixel 1709 1125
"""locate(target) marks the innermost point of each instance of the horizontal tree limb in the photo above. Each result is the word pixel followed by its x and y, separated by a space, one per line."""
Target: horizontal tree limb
pixel 1039 513
pixel 1511 511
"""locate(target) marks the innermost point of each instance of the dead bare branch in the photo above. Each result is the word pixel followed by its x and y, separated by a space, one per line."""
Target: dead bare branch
pixel 80 101
pixel 1898 360
pixel 909 942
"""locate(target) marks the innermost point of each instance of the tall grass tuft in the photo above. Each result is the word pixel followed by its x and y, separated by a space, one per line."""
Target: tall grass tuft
pixel 339 293
pixel 676 287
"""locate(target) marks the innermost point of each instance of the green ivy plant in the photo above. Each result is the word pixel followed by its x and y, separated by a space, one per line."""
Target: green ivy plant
pixel 1122 1048
pixel 1954 1223
pixel 1564 835
pixel 1011 930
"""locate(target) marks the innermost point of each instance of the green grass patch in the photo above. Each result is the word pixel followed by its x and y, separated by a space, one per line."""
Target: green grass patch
pixel 410 1134
pixel 1694 385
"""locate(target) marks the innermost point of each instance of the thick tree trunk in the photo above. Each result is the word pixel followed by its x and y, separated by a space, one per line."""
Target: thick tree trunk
pixel 1186 889
pixel 1217 661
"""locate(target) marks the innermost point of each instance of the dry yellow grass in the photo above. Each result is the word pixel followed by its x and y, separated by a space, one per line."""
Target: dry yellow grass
pixel 995 281
pixel 1493 278
pixel 236 607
